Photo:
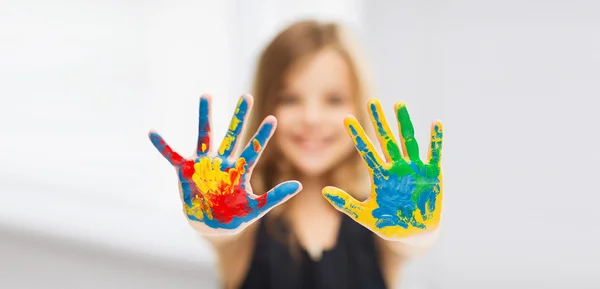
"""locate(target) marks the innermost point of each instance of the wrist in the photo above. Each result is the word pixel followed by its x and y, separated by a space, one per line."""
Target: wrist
pixel 414 245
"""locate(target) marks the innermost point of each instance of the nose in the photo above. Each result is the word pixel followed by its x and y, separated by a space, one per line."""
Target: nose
pixel 313 113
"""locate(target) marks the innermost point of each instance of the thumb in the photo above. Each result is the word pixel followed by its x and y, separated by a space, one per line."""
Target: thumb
pixel 278 195
pixel 343 202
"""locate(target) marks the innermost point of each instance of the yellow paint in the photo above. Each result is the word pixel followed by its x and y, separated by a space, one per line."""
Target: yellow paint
pixel 399 105
pixel 362 213
pixel 351 121
pixel 436 141
pixel 256 145
pixel 212 181
pixel 386 127
pixel 231 135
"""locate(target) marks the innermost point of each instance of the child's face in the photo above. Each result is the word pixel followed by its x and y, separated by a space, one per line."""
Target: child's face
pixel 318 96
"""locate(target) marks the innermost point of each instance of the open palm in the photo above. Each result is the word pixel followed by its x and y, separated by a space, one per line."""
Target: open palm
pixel 215 185
pixel 406 194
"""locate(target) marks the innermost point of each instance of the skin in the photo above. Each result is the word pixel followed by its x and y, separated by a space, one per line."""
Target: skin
pixel 215 184
pixel 322 100
pixel 312 114
pixel 406 194
pixel 318 95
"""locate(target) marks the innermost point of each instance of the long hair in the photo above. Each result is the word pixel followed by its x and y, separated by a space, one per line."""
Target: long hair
pixel 297 41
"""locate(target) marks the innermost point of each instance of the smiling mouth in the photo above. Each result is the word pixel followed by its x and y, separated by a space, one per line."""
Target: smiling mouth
pixel 312 144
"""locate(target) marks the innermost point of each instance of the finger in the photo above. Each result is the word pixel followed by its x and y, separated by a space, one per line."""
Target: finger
pixel 257 144
pixel 407 133
pixel 235 126
pixel 384 134
pixel 343 202
pixel 204 131
pixel 364 146
pixel 435 149
pixel 278 195
pixel 189 190
pixel 161 145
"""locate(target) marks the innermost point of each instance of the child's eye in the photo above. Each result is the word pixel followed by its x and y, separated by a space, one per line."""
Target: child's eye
pixel 287 99
pixel 336 99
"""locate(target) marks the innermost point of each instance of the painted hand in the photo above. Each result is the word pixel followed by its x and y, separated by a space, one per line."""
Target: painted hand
pixel 215 186
pixel 406 194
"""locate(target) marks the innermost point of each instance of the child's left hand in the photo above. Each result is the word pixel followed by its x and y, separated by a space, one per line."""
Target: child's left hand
pixel 406 194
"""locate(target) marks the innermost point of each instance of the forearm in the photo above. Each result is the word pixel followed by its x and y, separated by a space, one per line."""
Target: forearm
pixel 233 254
pixel 222 241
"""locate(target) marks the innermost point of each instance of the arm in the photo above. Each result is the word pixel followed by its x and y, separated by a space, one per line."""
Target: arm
pixel 393 255
pixel 234 255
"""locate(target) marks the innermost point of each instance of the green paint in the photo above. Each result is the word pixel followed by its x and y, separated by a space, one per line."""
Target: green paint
pixel 408 133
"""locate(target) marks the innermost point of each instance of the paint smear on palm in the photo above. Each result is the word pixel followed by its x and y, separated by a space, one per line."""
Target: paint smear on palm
pixel 214 187
pixel 406 194
pixel 215 192
pixel 220 194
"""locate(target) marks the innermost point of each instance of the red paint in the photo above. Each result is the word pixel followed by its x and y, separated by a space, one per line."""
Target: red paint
pixel 234 176
pixel 227 206
pixel 174 157
pixel 262 200
pixel 196 195
pixel 187 170
pixel 256 144
pixel 231 199
pixel 205 139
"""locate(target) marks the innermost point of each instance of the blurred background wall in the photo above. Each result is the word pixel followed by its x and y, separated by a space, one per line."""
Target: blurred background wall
pixel 87 202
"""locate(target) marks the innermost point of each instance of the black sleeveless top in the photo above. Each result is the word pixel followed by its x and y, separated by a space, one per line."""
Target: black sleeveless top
pixel 352 264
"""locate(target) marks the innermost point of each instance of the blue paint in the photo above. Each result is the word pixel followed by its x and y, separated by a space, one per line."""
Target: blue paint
pixel 241 207
pixel 203 126
pixel 340 203
pixel 185 188
pixel 157 141
pixel 161 145
pixel 393 195
pixel 278 194
pixel 337 201
pixel 422 202
pixel 390 144
pixel 403 186
pixel 226 164
pixel 368 155
pixel 436 146
pixel 377 120
pixel 240 114
pixel 249 154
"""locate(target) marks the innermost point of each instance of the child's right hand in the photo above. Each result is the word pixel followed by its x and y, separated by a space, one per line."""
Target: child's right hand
pixel 215 186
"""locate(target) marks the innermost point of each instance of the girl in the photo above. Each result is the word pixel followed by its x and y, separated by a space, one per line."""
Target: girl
pixel 309 84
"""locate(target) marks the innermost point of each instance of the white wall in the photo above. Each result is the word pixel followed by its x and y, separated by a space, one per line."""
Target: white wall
pixel 514 82
pixel 83 83
pixel 516 85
